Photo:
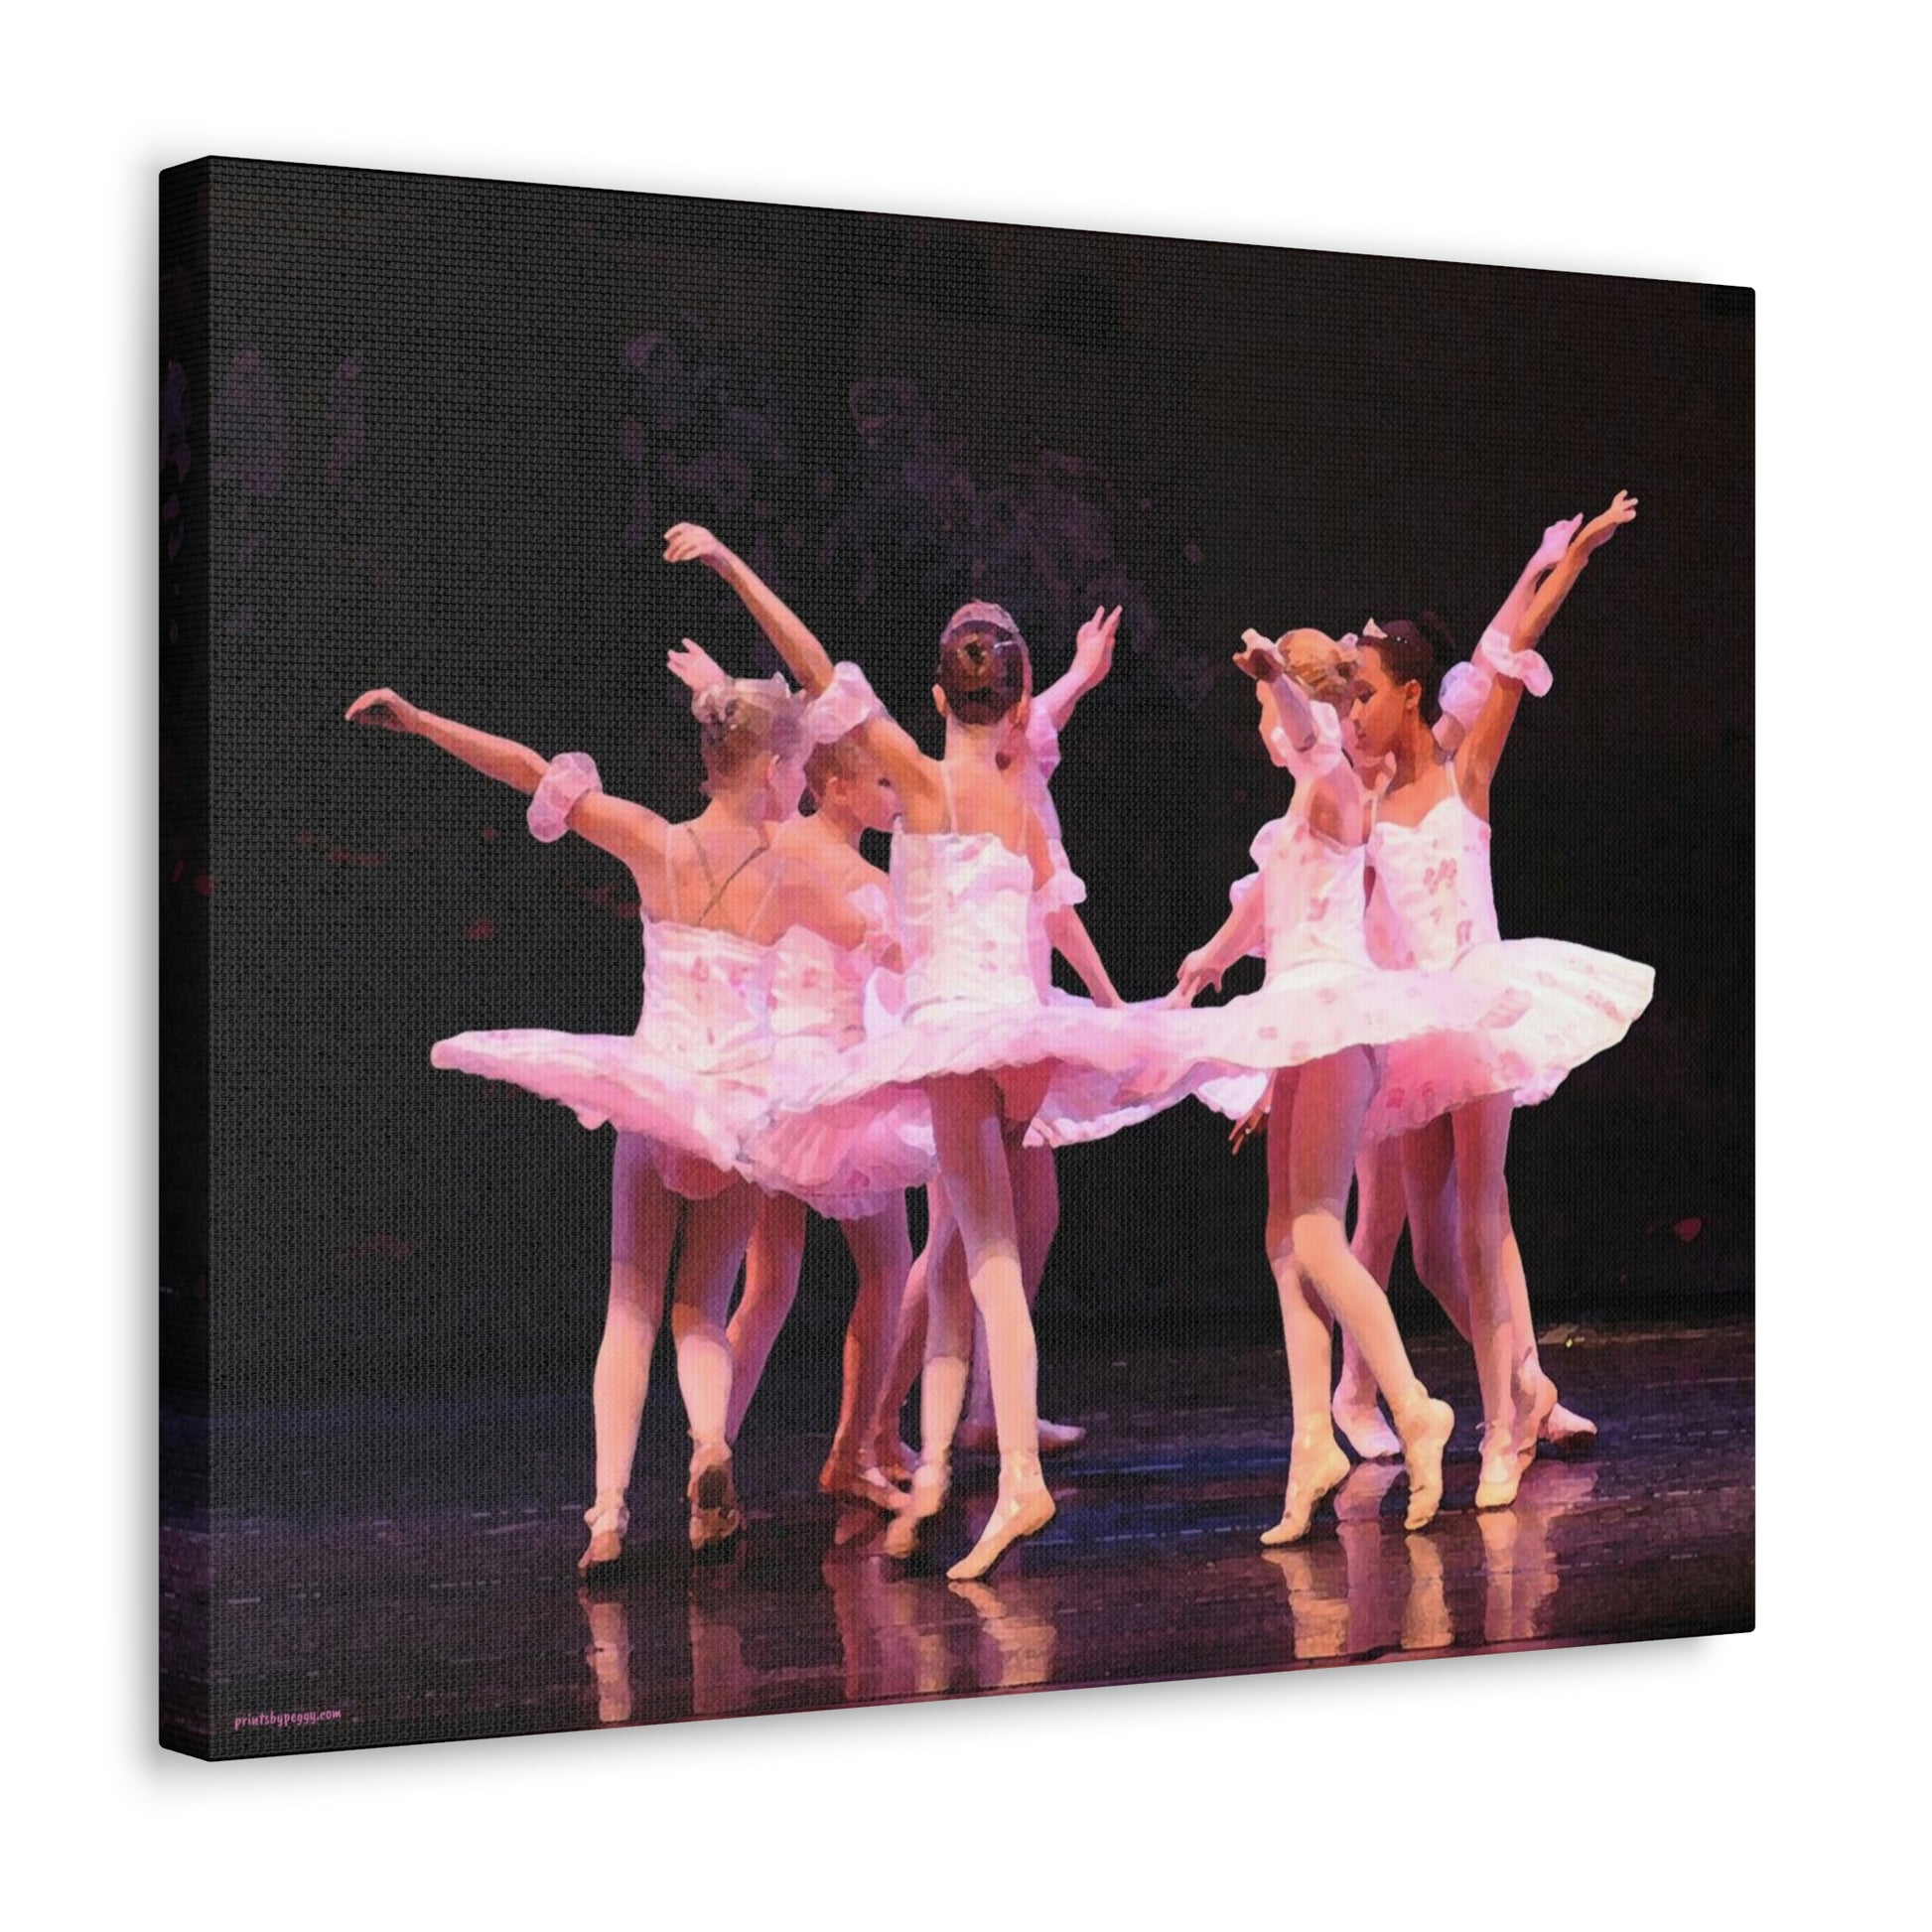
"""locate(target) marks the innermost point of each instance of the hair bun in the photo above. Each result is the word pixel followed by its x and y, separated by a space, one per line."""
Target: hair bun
pixel 1436 631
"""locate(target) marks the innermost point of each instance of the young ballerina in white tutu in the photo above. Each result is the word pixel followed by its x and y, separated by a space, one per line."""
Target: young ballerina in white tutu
pixel 691 1084
pixel 1410 1179
pixel 854 1175
pixel 1430 850
pixel 977 1037
pixel 1030 758
pixel 1319 1026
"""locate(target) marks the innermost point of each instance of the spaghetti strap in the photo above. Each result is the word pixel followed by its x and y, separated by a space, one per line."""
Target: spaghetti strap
pixel 945 779
pixel 719 889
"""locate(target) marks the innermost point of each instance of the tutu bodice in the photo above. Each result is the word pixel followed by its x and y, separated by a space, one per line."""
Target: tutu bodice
pixel 1439 901
pixel 965 903
pixel 707 997
pixel 818 989
pixel 1435 908
pixel 1322 994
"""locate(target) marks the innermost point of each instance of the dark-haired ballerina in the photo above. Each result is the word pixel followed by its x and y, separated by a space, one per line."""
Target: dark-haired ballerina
pixel 1430 851
pixel 1318 1029
pixel 977 1037
pixel 684 1091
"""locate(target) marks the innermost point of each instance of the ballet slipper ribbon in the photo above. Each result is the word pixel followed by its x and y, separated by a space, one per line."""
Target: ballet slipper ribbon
pixel 844 704
pixel 1534 672
pixel 571 775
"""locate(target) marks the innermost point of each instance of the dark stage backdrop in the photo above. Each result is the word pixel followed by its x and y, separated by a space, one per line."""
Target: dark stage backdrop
pixel 448 421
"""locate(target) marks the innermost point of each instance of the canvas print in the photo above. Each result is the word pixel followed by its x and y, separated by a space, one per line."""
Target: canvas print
pixel 905 958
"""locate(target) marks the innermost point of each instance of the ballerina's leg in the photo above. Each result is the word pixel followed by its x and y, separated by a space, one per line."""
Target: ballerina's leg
pixel 1481 1132
pixel 1315 1465
pixel 1036 1221
pixel 1379 1217
pixel 716 1232
pixel 1434 1231
pixel 1331 1097
pixel 643 1229
pixel 969 1135
pixel 772 1260
pixel 947 1315
pixel 881 1252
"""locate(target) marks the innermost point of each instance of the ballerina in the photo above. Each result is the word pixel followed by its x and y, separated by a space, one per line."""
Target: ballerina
pixel 684 1092
pixel 1430 850
pixel 977 1037
pixel 1032 757
pixel 857 1179
pixel 1316 1031
pixel 1410 1179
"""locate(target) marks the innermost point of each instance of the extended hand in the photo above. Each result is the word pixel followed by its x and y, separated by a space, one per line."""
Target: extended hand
pixel 1258 658
pixel 691 543
pixel 1197 973
pixel 692 665
pixel 1600 529
pixel 1093 648
pixel 382 707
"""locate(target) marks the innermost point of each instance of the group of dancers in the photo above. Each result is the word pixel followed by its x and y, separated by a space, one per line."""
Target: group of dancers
pixel 817 1034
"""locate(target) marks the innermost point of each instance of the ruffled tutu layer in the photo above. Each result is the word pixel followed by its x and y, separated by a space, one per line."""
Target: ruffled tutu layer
pixel 1096 1056
pixel 696 1119
pixel 1307 1012
pixel 1578 1001
pixel 845 1160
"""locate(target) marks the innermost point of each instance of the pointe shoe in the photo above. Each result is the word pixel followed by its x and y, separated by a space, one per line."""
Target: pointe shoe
pixel 1564 1429
pixel 1502 1469
pixel 1536 1403
pixel 607 1520
pixel 894 1460
pixel 1316 1466
pixel 1426 1426
pixel 1025 1505
pixel 852 1484
pixel 928 1498
pixel 982 1438
pixel 713 1496
pixel 1360 1423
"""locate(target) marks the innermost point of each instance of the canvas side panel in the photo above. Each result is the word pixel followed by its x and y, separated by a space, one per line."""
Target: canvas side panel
pixel 186 887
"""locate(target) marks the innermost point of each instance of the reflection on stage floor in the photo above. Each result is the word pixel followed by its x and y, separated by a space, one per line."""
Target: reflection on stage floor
pixel 400 1575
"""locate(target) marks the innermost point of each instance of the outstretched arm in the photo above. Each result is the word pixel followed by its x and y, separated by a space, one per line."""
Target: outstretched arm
pixel 625 831
pixel 804 656
pixel 1240 933
pixel 1074 944
pixel 1093 658
pixel 1482 750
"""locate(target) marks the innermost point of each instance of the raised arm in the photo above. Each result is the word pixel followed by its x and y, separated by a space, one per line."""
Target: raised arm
pixel 1549 553
pixel 628 832
pixel 1093 658
pixel 804 656
pixel 1511 658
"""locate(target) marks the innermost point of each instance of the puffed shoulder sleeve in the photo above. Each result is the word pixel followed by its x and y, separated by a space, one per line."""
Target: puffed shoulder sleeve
pixel 571 775
pixel 844 704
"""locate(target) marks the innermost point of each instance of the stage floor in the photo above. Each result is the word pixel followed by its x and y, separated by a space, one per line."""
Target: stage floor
pixel 399 1575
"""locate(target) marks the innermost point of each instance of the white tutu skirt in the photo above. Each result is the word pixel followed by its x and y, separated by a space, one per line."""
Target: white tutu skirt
pixel 1577 1002
pixel 1309 1011
pixel 696 1121
pixel 1095 1058
pixel 846 1160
